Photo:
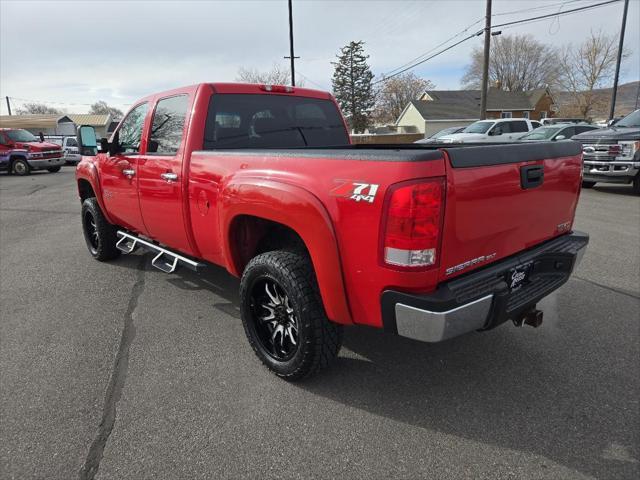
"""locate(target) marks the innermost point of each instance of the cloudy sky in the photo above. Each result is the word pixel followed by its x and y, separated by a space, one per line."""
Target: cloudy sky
pixel 77 52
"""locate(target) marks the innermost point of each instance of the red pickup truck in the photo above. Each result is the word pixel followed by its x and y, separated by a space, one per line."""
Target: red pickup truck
pixel 21 152
pixel 425 241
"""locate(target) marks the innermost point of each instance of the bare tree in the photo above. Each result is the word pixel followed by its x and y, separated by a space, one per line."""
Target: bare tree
pixel 396 93
pixel 278 75
pixel 516 62
pixel 102 108
pixel 586 68
pixel 36 109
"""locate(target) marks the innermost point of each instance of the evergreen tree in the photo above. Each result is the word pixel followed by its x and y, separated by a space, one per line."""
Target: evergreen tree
pixel 352 85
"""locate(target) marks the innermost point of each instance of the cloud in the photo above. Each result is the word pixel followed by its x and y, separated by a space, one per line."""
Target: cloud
pixel 78 52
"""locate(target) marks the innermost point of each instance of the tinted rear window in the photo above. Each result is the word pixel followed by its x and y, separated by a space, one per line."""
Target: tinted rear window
pixel 272 121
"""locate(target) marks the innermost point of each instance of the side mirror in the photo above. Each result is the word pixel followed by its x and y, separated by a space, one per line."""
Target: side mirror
pixel 41 135
pixel 86 136
pixel 560 137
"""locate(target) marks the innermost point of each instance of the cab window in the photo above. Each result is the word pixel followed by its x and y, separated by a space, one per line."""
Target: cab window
pixel 520 126
pixel 168 125
pixel 130 131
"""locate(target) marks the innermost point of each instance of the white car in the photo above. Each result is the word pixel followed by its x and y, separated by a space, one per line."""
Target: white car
pixel 494 131
pixel 69 147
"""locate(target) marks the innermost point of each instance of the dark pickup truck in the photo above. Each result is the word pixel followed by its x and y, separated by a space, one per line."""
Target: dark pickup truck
pixel 612 155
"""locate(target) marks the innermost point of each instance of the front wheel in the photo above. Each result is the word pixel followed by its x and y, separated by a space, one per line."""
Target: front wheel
pixel 20 167
pixel 99 234
pixel 283 316
pixel 636 184
pixel 53 169
pixel 588 184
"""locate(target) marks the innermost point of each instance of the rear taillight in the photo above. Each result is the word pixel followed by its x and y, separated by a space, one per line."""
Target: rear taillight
pixel 413 223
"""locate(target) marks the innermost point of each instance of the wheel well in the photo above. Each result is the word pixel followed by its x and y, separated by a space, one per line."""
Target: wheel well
pixel 250 236
pixel 85 190
pixel 13 158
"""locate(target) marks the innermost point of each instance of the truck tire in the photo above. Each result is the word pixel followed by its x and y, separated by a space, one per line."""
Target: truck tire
pixel 53 169
pixel 588 184
pixel 636 185
pixel 20 167
pixel 99 234
pixel 283 316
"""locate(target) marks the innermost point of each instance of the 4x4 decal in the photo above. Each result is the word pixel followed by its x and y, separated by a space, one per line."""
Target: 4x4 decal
pixel 358 191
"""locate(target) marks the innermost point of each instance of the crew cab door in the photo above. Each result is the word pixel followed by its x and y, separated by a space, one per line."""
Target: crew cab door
pixel 118 172
pixel 160 180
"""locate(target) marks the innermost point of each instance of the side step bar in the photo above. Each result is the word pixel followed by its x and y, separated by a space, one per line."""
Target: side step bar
pixel 165 260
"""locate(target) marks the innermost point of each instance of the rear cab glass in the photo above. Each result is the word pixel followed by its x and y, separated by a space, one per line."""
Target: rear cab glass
pixel 272 121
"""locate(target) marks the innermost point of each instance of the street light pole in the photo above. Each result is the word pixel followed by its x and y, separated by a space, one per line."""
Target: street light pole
pixel 485 66
pixel 614 93
pixel 8 105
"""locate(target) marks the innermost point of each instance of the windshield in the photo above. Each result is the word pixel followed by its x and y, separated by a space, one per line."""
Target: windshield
pixel 446 131
pixel 542 133
pixel 20 136
pixel 631 120
pixel 478 127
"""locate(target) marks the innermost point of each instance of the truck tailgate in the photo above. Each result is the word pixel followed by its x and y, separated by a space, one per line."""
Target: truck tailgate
pixel 502 199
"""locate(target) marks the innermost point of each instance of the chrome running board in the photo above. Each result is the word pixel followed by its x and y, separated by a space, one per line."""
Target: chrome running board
pixel 165 260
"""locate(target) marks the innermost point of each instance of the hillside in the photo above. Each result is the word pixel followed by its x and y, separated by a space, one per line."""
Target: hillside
pixel 626 102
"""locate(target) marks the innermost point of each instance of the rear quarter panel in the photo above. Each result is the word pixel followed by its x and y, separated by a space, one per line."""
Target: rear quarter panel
pixel 356 224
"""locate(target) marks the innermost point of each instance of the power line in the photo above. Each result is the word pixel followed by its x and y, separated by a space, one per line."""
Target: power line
pixel 30 100
pixel 557 14
pixel 391 72
pixel 524 20
pixel 311 81
pixel 428 58
pixel 543 7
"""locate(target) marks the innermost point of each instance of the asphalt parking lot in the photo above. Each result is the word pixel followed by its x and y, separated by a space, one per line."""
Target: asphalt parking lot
pixel 123 369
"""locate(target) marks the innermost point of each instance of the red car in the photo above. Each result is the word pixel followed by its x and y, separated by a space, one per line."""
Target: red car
pixel 425 242
pixel 21 152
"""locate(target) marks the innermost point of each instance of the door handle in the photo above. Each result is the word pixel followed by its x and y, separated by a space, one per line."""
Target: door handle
pixel 128 172
pixel 169 176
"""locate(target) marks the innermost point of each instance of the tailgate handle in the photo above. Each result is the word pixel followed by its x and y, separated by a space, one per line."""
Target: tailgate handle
pixel 531 176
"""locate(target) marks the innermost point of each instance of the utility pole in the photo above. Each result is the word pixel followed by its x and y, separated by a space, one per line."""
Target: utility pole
pixel 485 66
pixel 8 105
pixel 291 54
pixel 614 93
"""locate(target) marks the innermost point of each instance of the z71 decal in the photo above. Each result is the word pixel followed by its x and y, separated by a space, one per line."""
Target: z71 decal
pixel 358 191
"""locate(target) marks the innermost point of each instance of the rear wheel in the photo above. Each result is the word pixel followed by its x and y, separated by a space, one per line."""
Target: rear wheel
pixel 283 316
pixel 20 167
pixel 53 169
pixel 588 184
pixel 99 234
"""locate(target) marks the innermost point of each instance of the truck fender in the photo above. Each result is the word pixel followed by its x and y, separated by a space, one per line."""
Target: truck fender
pixel 300 211
pixel 87 171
